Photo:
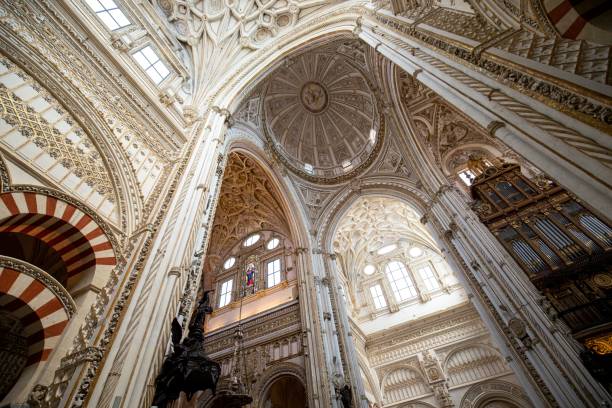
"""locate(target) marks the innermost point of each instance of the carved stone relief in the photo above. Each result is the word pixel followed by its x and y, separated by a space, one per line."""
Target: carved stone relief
pixel 62 139
pixel 253 23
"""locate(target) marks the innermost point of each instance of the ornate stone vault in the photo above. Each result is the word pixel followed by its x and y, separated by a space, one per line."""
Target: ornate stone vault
pixel 372 223
pixel 253 22
pixel 320 113
pixel 248 202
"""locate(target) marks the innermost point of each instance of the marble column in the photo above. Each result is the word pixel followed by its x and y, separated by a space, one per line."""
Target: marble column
pixel 345 335
pixel 535 140
pixel 141 341
pixel 543 356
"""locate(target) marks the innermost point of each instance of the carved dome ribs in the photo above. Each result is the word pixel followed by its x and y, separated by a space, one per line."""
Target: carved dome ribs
pixel 319 113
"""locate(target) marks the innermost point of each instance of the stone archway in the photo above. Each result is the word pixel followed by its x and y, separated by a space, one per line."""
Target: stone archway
pixel 269 378
pixel 287 392
pixel 495 394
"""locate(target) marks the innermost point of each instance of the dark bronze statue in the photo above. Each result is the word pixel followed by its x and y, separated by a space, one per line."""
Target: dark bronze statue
pixel 187 368
pixel 345 396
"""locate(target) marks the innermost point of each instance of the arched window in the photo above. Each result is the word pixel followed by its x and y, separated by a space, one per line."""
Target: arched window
pixel 229 262
pixel 401 283
pixel 272 244
pixel 226 293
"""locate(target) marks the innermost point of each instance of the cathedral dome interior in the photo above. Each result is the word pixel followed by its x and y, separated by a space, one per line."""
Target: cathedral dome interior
pixel 305 203
pixel 321 114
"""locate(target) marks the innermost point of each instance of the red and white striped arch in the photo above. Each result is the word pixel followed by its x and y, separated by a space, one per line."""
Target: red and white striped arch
pixel 586 20
pixel 41 312
pixel 78 239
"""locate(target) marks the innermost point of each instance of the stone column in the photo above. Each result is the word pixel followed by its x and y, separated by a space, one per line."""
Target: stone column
pixel 473 93
pixel 317 353
pixel 125 380
pixel 539 350
pixel 335 356
pixel 345 335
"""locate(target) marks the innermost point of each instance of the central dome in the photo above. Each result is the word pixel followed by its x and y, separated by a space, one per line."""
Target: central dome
pixel 320 115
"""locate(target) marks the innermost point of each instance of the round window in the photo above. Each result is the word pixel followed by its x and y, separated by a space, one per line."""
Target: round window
pixel 369 269
pixel 229 262
pixel 415 252
pixel 273 243
pixel 251 240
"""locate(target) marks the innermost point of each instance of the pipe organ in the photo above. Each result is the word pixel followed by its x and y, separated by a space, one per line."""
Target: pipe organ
pixel 563 246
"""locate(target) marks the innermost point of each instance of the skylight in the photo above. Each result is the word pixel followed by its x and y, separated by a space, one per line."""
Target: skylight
pixel 152 65
pixel 112 17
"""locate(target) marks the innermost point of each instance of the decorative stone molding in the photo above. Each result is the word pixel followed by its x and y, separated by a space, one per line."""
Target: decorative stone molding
pixel 332 173
pixel 493 126
pixel 271 374
pixel 121 296
pixel 226 22
pixel 564 98
pixel 5 180
pixel 258 327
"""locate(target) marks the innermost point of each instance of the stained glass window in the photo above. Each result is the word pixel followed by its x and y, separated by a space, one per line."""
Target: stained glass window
pixel 250 277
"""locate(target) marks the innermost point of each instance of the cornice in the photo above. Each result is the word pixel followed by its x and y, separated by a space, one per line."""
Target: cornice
pixel 426 326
